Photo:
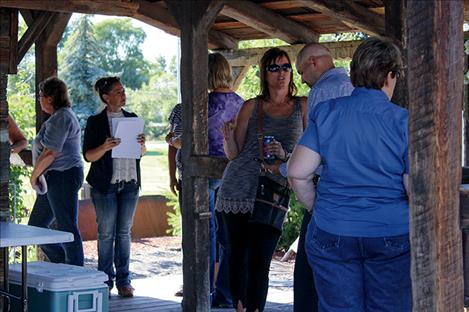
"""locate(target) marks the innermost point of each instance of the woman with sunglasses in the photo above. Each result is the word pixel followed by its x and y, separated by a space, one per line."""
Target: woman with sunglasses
pixel 114 184
pixel 284 118
pixel 56 157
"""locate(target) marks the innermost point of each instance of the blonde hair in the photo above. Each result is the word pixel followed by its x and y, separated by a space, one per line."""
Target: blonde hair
pixel 219 72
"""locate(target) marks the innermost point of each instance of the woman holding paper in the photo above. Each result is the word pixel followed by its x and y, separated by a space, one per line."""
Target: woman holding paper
pixel 114 184
pixel 56 157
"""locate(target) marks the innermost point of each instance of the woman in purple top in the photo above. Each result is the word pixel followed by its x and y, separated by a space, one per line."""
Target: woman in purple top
pixel 223 106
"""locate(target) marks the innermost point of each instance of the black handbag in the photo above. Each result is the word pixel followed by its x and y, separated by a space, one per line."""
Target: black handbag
pixel 271 204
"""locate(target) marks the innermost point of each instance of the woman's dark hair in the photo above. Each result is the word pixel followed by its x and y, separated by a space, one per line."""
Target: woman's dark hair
pixel 268 58
pixel 104 85
pixel 56 89
pixel 373 60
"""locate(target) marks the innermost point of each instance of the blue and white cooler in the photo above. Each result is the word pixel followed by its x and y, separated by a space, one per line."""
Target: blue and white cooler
pixel 56 287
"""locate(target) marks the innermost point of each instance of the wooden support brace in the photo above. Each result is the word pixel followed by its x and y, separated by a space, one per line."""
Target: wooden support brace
pixel 206 167
pixel 32 33
pixel 239 72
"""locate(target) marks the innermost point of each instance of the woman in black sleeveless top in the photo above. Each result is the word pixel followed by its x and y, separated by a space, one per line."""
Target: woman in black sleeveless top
pixel 284 118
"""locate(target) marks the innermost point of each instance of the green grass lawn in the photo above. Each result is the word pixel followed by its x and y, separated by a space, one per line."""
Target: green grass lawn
pixel 154 169
pixel 155 181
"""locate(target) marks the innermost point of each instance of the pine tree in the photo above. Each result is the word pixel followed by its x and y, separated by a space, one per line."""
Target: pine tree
pixel 81 68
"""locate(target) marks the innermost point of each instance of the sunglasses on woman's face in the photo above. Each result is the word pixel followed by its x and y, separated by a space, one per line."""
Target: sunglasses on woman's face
pixel 275 68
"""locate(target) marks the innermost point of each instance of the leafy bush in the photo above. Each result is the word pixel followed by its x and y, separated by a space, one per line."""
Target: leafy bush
pixel 174 216
pixel 17 205
pixel 292 225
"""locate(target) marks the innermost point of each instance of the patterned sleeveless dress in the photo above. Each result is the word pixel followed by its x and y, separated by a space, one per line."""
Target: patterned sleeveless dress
pixel 237 192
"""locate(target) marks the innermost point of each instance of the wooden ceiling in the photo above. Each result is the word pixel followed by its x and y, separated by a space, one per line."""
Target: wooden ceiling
pixel 294 21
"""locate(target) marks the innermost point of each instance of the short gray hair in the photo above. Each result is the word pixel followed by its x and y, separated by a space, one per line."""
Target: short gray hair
pixel 372 61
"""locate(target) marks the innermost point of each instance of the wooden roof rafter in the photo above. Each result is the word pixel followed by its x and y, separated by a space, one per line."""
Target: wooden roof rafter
pixel 269 22
pixel 151 13
pixel 349 13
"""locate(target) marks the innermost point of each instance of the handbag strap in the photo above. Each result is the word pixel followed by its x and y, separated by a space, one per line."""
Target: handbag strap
pixel 259 123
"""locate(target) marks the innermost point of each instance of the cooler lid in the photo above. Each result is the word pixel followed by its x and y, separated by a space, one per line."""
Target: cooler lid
pixel 58 276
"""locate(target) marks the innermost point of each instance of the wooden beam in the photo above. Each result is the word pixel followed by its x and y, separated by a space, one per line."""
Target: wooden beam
pixel 239 72
pixel 252 56
pixel 158 16
pixel 466 10
pixel 350 12
pixel 31 34
pixel 46 57
pixel 151 13
pixel 219 40
pixel 195 18
pixel 8 40
pixel 396 29
pixel 4 171
pixel 435 48
pixel 269 22
pixel 206 166
pixel 104 7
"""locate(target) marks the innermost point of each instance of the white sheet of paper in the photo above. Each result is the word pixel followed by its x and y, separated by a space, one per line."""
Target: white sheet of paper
pixel 127 129
pixel 16 160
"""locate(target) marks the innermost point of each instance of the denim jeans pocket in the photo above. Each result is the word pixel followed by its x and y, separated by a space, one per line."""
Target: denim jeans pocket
pixel 324 240
pixel 397 243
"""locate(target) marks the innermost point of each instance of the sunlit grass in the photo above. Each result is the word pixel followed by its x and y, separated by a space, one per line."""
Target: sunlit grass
pixel 154 169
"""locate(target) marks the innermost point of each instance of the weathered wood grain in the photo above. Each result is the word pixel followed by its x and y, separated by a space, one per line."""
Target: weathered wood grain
pixel 435 59
pixel 194 20
pixel 396 29
pixel 350 12
pixel 31 34
pixel 252 56
pixel 269 22
pixel 8 40
pixel 4 161
pixel 46 56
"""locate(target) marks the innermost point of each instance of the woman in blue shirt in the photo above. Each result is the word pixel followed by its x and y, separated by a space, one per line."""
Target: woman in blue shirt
pixel 56 156
pixel 358 239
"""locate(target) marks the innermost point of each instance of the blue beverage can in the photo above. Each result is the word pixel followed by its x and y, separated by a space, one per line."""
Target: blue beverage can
pixel 267 140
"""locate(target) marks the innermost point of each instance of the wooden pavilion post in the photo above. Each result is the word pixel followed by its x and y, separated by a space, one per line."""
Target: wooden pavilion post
pixel 8 62
pixel 194 18
pixel 46 56
pixel 435 80
pixel 396 29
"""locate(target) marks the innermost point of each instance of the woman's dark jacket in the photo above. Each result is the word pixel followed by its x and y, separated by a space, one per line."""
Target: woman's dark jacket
pixel 96 132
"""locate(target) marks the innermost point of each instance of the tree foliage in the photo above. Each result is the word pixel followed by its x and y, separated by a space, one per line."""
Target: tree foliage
pixel 154 101
pixel 82 67
pixel 121 43
pixel 21 107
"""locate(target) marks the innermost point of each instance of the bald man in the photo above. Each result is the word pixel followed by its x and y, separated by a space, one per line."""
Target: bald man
pixel 316 67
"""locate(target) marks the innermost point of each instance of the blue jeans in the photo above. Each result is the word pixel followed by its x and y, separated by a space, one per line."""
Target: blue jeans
pixel 305 298
pixel 213 185
pixel 115 212
pixel 357 274
pixel 61 204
